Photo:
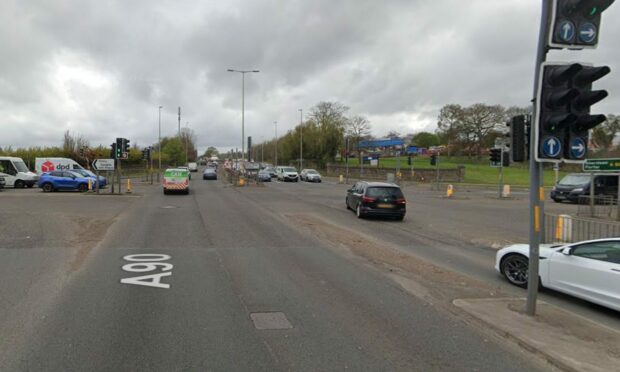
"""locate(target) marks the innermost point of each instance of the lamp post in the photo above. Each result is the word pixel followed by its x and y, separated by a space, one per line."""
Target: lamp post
pixel 159 140
pixel 242 72
pixel 186 141
pixel 301 139
pixel 276 123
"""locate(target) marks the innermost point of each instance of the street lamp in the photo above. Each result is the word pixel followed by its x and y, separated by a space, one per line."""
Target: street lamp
pixel 186 139
pixel 242 72
pixel 301 139
pixel 159 140
pixel 276 123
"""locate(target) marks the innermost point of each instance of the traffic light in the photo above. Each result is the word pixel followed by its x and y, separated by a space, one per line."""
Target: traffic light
pixel 409 160
pixel 495 155
pixel 517 137
pixel 118 149
pixel 577 144
pixel 506 159
pixel 125 145
pixel 563 107
pixel 434 159
pixel 576 23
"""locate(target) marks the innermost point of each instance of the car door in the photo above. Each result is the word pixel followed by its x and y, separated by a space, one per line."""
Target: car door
pixel 350 194
pixel 590 271
pixel 68 181
pixel 357 193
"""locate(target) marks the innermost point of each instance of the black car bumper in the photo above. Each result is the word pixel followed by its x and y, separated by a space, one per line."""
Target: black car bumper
pixel 387 212
pixel 209 177
pixel 565 195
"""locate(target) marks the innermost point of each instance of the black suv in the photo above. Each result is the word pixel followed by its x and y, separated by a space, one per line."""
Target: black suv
pixel 377 199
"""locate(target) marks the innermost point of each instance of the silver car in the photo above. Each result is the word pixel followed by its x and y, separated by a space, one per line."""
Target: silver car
pixel 310 175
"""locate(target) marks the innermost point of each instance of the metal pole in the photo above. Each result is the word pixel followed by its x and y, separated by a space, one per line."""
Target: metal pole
pixel 618 200
pixel 501 173
pixel 346 159
pixel 301 139
pixel 535 190
pixel 276 123
pixel 437 171
pixel 592 193
pixel 242 114
pixel 179 121
pixel 159 149
pixel 186 143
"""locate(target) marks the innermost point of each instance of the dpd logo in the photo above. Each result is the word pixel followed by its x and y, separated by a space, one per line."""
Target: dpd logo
pixel 47 166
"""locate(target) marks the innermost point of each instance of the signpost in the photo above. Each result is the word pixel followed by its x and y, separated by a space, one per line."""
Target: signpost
pixel 602 165
pixel 104 164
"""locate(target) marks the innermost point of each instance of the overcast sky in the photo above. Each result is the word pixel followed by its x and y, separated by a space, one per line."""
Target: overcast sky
pixel 102 68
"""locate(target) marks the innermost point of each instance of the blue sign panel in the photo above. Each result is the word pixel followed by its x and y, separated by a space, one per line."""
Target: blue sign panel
pixel 551 147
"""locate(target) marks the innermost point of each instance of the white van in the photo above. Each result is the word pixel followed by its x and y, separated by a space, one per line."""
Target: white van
pixel 18 174
pixel 43 165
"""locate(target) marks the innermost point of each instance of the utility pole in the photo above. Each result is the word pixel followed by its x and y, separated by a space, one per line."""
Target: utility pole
pixel 276 123
pixel 179 121
pixel 159 149
pixel 301 139
pixel 242 72
pixel 186 142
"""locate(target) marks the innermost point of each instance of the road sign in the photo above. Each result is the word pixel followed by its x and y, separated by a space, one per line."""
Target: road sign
pixel 566 31
pixel 104 164
pixel 587 33
pixel 575 23
pixel 598 165
pixel 577 148
pixel 552 147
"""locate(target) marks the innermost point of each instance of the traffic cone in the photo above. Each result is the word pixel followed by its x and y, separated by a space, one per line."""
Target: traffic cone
pixel 450 191
pixel 128 186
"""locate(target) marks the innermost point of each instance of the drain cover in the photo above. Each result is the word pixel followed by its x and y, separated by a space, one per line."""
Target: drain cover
pixel 273 320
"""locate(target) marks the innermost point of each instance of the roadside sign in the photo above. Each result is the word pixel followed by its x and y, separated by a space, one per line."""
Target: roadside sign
pixel 601 165
pixel 104 164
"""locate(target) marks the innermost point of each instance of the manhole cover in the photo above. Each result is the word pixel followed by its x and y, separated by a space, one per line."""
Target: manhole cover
pixel 273 320
pixel 169 207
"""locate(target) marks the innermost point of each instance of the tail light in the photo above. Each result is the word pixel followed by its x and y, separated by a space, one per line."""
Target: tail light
pixel 366 199
pixel 401 201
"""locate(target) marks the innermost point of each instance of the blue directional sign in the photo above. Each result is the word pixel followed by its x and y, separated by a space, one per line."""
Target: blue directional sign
pixel 587 33
pixel 551 147
pixel 565 31
pixel 578 148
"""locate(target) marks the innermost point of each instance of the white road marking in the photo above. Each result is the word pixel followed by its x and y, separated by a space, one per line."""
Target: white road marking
pixel 146 262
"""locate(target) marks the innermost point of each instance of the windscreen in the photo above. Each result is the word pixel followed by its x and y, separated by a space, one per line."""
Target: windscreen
pixel 21 166
pixel 575 179
pixel 289 169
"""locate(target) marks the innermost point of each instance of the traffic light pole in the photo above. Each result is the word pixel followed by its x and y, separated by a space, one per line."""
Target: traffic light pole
pixel 501 172
pixel 536 191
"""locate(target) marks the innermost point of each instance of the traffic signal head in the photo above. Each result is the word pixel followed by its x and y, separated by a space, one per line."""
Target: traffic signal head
pixel 125 145
pixel 409 160
pixel 495 155
pixel 517 138
pixel 576 23
pixel 563 106
pixel 434 159
pixel 118 150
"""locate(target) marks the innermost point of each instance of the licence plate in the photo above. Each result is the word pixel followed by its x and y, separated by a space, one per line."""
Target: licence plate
pixel 382 205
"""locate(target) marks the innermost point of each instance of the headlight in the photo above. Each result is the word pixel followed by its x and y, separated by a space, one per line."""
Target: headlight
pixel 553 188
pixel 577 190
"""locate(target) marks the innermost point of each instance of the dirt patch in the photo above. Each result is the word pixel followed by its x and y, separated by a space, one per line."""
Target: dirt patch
pixel 415 275
pixel 89 232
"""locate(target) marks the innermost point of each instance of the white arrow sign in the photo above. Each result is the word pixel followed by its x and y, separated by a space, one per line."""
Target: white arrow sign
pixel 578 147
pixel 104 164
pixel 552 143
pixel 589 33
pixel 567 28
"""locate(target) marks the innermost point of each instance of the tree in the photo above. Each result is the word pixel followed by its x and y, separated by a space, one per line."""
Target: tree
pixel 174 150
pixel 603 135
pixel 211 151
pixel 329 120
pixel 425 139
pixel 448 123
pixel 358 128
pixel 393 134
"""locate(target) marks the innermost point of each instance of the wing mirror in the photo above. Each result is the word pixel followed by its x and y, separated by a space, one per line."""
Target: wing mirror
pixel 567 251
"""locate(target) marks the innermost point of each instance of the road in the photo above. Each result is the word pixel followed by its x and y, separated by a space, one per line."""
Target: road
pixel 341 293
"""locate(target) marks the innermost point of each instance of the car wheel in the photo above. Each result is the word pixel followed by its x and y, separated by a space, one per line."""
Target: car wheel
pixel 358 211
pixel 556 200
pixel 346 202
pixel 165 192
pixel 47 187
pixel 515 268
pixel 19 184
pixel 83 187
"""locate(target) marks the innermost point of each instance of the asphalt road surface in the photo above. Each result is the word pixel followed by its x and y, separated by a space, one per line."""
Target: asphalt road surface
pixel 280 277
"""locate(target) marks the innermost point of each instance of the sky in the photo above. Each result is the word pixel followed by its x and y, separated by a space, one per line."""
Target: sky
pixel 101 69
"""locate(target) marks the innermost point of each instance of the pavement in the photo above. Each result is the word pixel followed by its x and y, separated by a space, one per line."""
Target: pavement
pixel 280 277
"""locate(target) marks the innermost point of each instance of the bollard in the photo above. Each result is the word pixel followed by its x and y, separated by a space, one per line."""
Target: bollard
pixel 341 179
pixel 450 191
pixel 241 182
pixel 90 184
pixel 506 191
pixel 563 228
pixel 128 186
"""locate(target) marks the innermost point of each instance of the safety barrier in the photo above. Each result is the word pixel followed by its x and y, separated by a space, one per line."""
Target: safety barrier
pixel 563 228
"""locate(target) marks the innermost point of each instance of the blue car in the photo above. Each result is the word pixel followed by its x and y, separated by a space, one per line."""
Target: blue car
pixel 63 180
pixel 86 173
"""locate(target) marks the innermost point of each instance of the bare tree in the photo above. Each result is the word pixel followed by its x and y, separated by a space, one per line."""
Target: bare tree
pixel 481 120
pixel 358 128
pixel 603 135
pixel 449 120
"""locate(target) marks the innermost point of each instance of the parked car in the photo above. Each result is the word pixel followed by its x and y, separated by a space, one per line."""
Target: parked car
pixel 264 175
pixel 376 199
pixel 63 180
pixel 287 174
pixel 310 175
pixel 17 173
pixel 574 185
pixel 176 180
pixel 193 167
pixel 209 174
pixel 271 171
pixel 589 270
pixel 86 173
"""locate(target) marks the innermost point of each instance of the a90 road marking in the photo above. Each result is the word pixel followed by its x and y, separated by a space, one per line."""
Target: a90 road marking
pixel 146 262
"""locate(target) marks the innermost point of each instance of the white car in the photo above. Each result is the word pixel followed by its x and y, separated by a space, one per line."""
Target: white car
pixel 287 174
pixel 589 270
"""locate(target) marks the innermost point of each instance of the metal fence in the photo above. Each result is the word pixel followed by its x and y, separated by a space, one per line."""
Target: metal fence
pixel 563 228
pixel 601 206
